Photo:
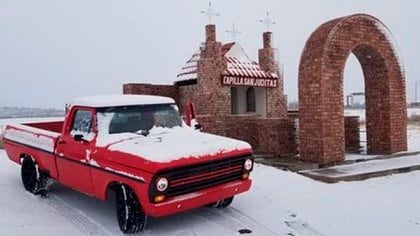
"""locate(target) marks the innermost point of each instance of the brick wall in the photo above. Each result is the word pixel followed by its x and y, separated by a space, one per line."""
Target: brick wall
pixel 187 94
pixel 277 136
pixel 321 69
pixel 271 136
pixel 151 89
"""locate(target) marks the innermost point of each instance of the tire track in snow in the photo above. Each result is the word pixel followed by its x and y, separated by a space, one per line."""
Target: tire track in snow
pixel 239 214
pixel 233 221
pixel 300 227
pixel 75 216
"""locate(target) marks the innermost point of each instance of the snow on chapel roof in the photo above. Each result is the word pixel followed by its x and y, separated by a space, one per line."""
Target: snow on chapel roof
pixel 238 65
pixel 119 100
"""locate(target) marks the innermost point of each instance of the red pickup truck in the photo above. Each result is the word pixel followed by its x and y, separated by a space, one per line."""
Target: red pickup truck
pixel 137 147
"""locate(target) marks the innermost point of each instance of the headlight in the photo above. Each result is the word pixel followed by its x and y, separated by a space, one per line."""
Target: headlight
pixel 248 164
pixel 162 184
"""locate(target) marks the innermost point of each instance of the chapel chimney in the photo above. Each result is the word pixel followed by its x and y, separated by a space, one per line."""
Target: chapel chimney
pixel 267 56
pixel 268 60
pixel 210 33
pixel 267 43
pixel 211 48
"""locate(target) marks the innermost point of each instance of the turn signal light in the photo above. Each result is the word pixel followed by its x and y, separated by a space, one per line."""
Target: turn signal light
pixel 245 175
pixel 159 198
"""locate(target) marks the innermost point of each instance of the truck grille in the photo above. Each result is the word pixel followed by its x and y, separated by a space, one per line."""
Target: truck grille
pixel 193 178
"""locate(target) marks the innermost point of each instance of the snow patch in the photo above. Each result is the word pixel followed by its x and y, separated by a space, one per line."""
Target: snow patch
pixel 166 145
pixel 388 35
pixel 94 163
pixel 37 138
pixel 361 113
pixel 125 174
pixel 86 136
pixel 17 121
pixel 236 51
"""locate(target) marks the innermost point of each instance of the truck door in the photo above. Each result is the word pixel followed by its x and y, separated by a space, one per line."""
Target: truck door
pixel 74 148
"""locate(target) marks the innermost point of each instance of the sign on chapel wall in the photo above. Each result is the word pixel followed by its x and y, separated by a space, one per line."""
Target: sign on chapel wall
pixel 247 81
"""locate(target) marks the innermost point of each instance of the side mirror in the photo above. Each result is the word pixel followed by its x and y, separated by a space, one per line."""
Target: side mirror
pixel 79 137
pixel 198 126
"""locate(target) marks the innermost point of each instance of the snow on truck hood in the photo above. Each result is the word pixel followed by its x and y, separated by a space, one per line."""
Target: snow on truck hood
pixel 166 145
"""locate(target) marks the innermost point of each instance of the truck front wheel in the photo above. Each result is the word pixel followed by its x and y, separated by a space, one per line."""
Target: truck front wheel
pixel 130 215
pixel 33 180
pixel 222 203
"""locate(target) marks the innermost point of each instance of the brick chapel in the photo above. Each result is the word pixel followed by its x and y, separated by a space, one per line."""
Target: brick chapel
pixel 237 97
pixel 234 96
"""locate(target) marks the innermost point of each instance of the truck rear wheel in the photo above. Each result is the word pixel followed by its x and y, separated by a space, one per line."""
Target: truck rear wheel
pixel 33 180
pixel 130 215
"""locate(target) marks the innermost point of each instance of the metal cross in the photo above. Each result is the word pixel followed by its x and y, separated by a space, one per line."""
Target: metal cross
pixel 268 22
pixel 210 13
pixel 233 32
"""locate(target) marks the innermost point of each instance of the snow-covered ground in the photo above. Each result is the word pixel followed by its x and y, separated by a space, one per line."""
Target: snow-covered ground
pixel 361 113
pixel 413 143
pixel 279 203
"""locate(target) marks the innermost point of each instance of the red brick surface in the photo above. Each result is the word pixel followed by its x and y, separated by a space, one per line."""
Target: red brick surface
pixel 323 133
pixel 275 134
pixel 151 89
pixel 352 133
pixel 321 124
pixel 267 58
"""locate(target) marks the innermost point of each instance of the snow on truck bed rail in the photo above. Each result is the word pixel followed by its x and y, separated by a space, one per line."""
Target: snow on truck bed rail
pixel 18 121
pixel 119 100
pixel 38 138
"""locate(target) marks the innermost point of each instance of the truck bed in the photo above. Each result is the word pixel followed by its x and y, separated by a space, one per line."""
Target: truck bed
pixel 53 126
pixel 33 139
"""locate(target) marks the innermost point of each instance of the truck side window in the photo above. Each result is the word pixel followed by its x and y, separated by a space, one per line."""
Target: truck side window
pixel 82 124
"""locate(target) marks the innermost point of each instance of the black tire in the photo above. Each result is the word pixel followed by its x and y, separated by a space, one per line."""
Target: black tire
pixel 225 202
pixel 34 181
pixel 221 204
pixel 130 215
pixel 212 205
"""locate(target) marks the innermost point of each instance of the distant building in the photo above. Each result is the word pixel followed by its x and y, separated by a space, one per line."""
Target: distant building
pixel 355 100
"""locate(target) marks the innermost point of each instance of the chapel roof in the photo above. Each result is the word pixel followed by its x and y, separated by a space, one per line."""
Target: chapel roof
pixel 238 65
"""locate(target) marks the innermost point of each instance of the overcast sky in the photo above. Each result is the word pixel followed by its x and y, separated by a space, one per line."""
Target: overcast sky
pixel 51 51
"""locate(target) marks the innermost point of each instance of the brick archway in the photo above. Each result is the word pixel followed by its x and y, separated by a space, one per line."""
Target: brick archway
pixel 321 122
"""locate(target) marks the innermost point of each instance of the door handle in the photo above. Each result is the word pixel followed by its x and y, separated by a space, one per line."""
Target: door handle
pixel 61 141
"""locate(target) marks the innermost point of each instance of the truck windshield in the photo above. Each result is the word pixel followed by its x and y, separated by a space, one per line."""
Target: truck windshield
pixel 137 119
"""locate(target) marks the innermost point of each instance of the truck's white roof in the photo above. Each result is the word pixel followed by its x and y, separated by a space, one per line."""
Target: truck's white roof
pixel 119 100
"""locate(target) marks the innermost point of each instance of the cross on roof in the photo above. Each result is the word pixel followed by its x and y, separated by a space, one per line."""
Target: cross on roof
pixel 233 32
pixel 210 13
pixel 268 22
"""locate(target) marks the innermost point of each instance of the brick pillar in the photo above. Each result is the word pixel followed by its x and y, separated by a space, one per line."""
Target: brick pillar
pixel 268 59
pixel 352 133
pixel 213 98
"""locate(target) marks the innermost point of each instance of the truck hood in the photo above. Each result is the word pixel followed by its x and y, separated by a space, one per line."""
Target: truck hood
pixel 164 147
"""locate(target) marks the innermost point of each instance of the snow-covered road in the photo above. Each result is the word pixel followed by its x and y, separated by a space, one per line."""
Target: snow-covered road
pixel 280 203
